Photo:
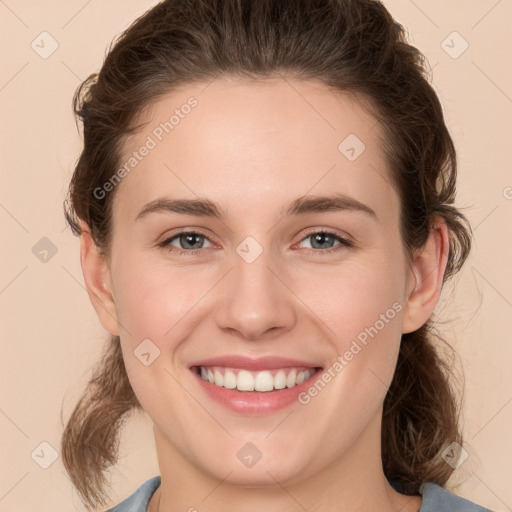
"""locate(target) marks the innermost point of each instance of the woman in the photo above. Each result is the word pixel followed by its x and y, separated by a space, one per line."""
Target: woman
pixel 265 201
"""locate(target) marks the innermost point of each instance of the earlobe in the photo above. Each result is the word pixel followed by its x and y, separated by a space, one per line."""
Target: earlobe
pixel 426 278
pixel 98 280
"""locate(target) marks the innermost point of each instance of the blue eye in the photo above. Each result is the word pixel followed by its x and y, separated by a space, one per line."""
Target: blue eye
pixel 326 242
pixel 186 241
pixel 191 242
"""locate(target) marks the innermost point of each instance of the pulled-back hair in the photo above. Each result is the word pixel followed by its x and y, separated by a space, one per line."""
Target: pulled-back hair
pixel 351 46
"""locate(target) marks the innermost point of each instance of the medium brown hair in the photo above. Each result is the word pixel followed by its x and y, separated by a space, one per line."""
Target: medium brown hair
pixel 351 46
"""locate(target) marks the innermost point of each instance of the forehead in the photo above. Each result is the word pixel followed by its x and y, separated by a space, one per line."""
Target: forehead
pixel 254 142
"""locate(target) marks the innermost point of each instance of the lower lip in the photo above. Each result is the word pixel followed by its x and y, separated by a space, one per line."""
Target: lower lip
pixel 255 403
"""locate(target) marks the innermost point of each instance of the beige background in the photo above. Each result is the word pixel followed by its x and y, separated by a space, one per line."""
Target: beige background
pixel 50 335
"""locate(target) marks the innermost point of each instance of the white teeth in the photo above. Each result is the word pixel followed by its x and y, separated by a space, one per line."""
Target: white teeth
pixel 291 380
pixel 219 378
pixel 245 381
pixel 229 380
pixel 280 380
pixel 262 381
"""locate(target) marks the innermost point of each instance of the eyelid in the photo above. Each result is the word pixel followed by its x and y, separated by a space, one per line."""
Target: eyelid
pixel 179 231
pixel 342 237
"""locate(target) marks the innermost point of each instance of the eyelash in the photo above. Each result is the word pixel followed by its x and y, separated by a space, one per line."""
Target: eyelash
pixel 343 242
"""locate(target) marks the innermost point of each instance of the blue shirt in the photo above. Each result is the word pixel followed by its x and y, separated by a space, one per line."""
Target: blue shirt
pixel 435 499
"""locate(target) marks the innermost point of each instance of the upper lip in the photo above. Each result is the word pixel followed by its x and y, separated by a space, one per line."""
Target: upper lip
pixel 248 363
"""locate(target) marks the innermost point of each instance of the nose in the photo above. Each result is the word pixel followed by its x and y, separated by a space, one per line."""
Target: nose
pixel 255 303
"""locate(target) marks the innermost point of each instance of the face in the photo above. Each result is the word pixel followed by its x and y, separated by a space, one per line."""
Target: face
pixel 256 241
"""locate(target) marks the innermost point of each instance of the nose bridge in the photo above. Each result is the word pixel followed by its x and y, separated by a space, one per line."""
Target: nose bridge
pixel 255 301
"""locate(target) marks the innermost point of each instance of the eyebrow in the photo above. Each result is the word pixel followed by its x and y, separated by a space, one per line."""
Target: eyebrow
pixel 303 205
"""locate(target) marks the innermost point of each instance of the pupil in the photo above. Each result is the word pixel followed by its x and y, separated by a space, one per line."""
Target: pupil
pixel 322 238
pixel 190 240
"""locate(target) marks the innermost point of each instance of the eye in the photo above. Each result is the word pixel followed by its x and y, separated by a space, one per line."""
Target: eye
pixel 186 241
pixel 191 242
pixel 324 241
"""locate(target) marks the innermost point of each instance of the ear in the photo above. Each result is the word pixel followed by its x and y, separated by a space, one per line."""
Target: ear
pixel 426 277
pixel 96 271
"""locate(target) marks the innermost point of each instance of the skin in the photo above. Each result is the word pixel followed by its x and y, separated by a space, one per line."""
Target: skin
pixel 254 147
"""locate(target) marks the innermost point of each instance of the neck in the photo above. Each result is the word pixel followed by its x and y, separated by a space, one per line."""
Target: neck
pixel 354 481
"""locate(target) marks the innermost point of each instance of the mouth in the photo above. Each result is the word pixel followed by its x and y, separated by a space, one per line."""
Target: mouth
pixel 261 381
pixel 254 387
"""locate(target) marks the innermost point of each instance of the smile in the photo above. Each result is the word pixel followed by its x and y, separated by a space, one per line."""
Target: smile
pixel 261 381
pixel 254 386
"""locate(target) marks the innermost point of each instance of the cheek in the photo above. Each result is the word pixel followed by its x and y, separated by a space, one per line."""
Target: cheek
pixel 360 305
pixel 153 297
pixel 153 304
pixel 353 296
